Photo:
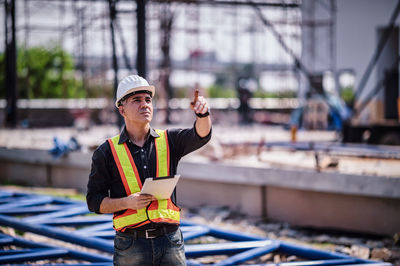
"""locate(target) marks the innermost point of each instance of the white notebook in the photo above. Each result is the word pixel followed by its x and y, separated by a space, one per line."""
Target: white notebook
pixel 160 187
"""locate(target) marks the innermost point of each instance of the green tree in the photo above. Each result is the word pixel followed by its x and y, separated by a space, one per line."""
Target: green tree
pixel 44 73
pixel 217 91
pixel 279 94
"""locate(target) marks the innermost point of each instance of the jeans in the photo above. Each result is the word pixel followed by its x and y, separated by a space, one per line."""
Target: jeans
pixel 164 250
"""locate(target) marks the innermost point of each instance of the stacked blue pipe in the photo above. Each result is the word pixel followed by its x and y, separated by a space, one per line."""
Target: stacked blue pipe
pixel 48 216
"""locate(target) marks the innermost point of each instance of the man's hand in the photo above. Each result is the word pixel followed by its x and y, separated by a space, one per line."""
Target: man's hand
pixel 135 201
pixel 138 201
pixel 199 105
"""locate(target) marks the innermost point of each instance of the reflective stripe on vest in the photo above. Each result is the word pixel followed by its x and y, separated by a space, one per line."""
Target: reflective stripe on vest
pixel 162 152
pixel 160 210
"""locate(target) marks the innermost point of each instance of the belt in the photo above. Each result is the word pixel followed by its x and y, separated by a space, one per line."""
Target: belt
pixel 150 233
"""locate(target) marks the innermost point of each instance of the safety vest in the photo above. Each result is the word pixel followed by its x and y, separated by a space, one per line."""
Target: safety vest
pixel 159 211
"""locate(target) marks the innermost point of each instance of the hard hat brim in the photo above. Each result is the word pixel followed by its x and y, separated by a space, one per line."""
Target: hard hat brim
pixel 142 88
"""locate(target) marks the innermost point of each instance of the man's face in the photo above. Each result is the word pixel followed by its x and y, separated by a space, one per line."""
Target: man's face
pixel 138 108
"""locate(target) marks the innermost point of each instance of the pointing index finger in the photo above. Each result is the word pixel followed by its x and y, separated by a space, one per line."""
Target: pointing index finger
pixel 196 96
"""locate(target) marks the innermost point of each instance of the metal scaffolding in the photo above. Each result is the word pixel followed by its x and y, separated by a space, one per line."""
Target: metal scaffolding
pixel 146 37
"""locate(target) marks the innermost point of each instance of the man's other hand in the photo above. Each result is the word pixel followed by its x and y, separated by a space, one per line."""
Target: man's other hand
pixel 138 201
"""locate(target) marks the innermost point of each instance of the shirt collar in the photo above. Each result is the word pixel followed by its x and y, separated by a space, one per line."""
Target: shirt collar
pixel 123 137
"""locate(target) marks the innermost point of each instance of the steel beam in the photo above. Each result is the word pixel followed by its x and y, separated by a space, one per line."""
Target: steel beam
pixel 10 64
pixel 312 253
pixel 141 38
pixel 79 221
pixel 233 236
pixel 33 255
pixel 192 232
pixel 31 210
pixel 224 248
pixel 5 240
pixel 26 202
pixel 241 249
pixel 91 257
pixel 59 234
pixel 250 254
pixel 325 262
pixel 73 210
pixel 96 228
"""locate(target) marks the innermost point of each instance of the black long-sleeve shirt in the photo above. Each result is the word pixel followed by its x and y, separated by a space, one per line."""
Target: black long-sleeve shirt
pixel 104 178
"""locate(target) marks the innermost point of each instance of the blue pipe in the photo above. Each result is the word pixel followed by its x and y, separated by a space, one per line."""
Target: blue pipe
pixel 246 247
pixel 186 223
pixel 60 200
pixel 193 263
pixel 5 200
pixel 110 234
pixel 324 262
pixel 16 251
pixel 76 209
pixel 26 202
pixel 192 234
pixel 310 253
pixel 77 221
pixel 233 236
pixel 34 255
pixel 189 228
pixel 96 228
pixel 222 248
pixel 32 210
pixel 15 195
pixel 249 254
pixel 60 234
pixel 91 257
pixel 374 263
pixel 6 194
pixel 82 264
pixel 5 240
pixel 300 251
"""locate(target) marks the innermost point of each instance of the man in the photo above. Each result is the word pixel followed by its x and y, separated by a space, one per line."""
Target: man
pixel 147 230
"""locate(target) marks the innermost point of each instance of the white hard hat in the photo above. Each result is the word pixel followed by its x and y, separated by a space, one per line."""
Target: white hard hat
pixel 131 85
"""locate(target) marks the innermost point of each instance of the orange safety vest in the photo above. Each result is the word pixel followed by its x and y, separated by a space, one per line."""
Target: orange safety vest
pixel 159 211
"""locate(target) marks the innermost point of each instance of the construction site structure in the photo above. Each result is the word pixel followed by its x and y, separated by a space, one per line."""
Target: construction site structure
pixel 376 118
pixel 209 47
pixel 298 46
